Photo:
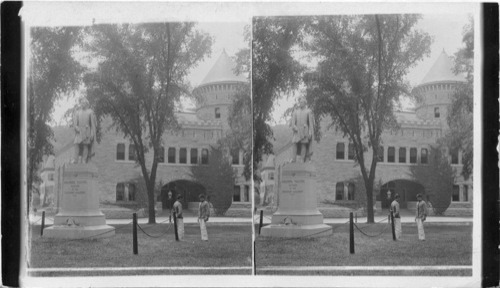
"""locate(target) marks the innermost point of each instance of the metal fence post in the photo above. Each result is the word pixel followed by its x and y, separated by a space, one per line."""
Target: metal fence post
pixel 261 219
pixel 134 233
pixel 43 223
pixel 351 233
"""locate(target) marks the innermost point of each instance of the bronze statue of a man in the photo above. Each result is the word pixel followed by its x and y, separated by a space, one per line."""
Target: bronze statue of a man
pixel 303 129
pixel 84 122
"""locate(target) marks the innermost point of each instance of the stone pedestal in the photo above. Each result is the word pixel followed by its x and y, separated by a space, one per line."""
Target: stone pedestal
pixel 297 214
pixel 79 215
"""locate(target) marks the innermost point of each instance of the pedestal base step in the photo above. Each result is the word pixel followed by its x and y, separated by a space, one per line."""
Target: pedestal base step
pixel 77 232
pixel 296 231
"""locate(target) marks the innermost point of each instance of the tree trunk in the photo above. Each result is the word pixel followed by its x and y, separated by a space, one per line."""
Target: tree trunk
pixel 369 201
pixel 151 203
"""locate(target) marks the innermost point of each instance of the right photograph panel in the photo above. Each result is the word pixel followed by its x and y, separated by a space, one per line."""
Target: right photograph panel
pixel 363 144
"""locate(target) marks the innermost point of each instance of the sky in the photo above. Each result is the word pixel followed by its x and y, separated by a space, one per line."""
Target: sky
pixel 445 29
pixel 225 21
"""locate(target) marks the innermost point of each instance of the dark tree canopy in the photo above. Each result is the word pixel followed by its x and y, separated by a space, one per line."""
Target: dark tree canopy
pixel 437 177
pixel 52 72
pixel 362 62
pixel 274 72
pixel 140 76
pixel 218 177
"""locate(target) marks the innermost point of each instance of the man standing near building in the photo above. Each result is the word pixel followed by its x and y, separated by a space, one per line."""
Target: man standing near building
pixel 177 209
pixel 203 214
pixel 420 217
pixel 397 218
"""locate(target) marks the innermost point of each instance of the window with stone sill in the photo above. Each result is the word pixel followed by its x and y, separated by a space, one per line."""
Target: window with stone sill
pixel 424 158
pixel 131 152
pixel 413 155
pixel 204 156
pixel 454 156
pixel 171 155
pixel 350 151
pixel 271 175
pixel 161 157
pixel 120 191
pixel 194 156
pixel 455 194
pixel 339 191
pixel 217 113
pixel 236 194
pixel 391 154
pixel 402 155
pixel 120 151
pixel 183 156
pixel 340 151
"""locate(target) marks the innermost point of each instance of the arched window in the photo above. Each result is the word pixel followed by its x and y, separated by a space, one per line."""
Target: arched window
pixel 120 191
pixel 424 157
pixel 339 191
pixel 413 155
pixel 340 151
pixel 171 155
pixel 194 156
pixel 350 191
pixel 131 192
pixel 183 156
pixel 402 155
pixel 131 152
pixel 120 151
pixel 391 154
pixel 217 112
pixel 204 156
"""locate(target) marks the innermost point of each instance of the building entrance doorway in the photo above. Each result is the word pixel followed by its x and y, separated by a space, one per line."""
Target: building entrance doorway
pixel 188 189
pixel 406 189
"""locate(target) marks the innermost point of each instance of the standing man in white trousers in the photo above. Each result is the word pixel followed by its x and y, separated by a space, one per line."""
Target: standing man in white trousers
pixel 177 209
pixel 421 215
pixel 397 218
pixel 203 215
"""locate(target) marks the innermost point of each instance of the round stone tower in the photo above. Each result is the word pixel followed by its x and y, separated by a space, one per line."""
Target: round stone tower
pixel 436 89
pixel 215 93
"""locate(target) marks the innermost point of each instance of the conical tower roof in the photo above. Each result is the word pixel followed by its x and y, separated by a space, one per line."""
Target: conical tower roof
pixel 442 70
pixel 223 71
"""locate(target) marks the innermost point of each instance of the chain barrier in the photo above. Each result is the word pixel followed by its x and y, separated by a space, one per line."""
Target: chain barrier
pixel 376 235
pixel 154 236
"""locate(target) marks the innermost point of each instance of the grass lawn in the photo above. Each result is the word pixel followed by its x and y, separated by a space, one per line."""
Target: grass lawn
pixel 444 245
pixel 228 246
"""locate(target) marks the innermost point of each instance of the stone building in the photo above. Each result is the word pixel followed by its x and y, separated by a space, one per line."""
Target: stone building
pixel 419 130
pixel 201 127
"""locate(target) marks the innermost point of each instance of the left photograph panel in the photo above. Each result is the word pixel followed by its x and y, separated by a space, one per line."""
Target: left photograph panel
pixel 138 147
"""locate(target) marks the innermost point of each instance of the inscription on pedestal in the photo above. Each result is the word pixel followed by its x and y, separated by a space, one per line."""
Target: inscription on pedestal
pixel 293 186
pixel 74 187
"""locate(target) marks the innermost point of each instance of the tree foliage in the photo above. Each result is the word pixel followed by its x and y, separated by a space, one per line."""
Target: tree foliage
pixel 140 76
pixel 460 114
pixel 437 177
pixel 239 136
pixel 218 177
pixel 362 62
pixel 274 72
pixel 52 72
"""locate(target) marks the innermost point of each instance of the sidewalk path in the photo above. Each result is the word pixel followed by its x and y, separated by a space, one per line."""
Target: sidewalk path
pixel 36 219
pixel 404 219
